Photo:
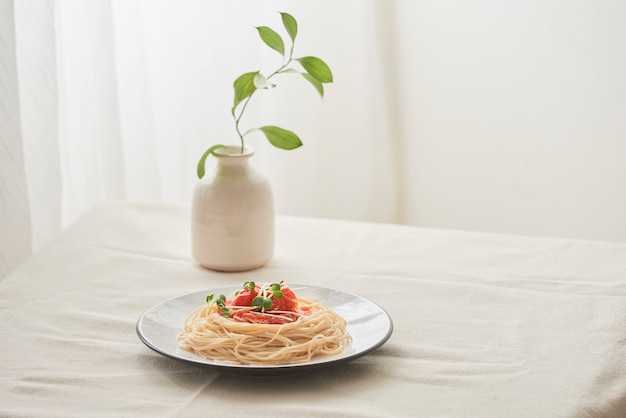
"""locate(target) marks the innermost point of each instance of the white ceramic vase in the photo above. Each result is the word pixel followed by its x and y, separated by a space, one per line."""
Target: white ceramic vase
pixel 232 214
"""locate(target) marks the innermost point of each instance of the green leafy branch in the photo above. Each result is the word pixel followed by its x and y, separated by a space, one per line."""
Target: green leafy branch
pixel 315 71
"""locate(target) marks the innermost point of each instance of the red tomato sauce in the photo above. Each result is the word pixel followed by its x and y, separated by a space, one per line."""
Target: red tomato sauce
pixel 284 309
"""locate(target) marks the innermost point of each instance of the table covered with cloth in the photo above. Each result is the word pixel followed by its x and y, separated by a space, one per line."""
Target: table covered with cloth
pixel 485 325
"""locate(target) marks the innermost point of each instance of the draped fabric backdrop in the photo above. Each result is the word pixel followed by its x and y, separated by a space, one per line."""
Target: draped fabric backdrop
pixel 497 116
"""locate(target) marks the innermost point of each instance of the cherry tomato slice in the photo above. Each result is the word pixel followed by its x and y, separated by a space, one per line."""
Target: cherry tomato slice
pixel 288 302
pixel 244 297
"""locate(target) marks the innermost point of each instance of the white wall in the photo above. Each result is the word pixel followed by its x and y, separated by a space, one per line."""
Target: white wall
pixel 515 115
pixel 494 116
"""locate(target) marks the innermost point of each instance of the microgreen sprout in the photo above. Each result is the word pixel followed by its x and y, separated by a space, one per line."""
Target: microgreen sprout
pixel 276 290
pixel 249 286
pixel 262 302
pixel 219 302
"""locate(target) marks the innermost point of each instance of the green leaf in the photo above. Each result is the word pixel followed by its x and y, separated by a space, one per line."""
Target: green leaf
pixel 222 307
pixel 316 83
pixel 289 71
pixel 203 160
pixel 244 88
pixel 317 68
pixel 319 86
pixel 260 82
pixel 281 138
pixel 262 302
pixel 272 39
pixel 276 292
pixel 290 24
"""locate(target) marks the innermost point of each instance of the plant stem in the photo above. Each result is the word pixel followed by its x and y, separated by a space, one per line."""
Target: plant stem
pixel 243 109
pixel 237 119
pixel 279 70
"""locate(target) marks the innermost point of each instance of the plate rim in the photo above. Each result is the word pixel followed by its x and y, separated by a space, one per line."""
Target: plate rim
pixel 263 369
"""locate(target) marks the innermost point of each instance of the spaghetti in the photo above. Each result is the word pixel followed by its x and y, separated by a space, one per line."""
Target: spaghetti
pixel 262 325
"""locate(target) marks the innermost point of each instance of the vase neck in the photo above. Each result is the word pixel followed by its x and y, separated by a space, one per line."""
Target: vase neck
pixel 233 156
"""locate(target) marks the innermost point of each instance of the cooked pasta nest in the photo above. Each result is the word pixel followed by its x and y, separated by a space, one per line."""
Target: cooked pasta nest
pixel 210 335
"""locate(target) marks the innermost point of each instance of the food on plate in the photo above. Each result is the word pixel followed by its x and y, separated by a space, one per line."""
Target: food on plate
pixel 263 325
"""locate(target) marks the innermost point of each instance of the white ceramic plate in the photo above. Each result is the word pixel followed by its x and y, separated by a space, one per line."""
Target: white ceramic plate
pixel 368 324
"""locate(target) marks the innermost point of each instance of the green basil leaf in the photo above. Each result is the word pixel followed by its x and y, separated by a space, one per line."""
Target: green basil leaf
pixel 244 88
pixel 317 68
pixel 272 39
pixel 290 24
pixel 203 160
pixel 281 138
pixel 315 82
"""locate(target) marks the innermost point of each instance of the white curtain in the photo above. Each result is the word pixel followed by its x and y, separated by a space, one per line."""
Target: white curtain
pixel 497 116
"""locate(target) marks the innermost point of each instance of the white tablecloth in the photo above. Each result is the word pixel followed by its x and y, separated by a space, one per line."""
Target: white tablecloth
pixel 485 325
